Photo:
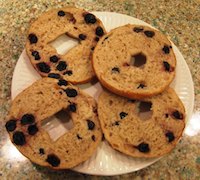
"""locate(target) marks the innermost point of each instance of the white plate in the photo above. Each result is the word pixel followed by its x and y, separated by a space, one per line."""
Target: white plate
pixel 107 161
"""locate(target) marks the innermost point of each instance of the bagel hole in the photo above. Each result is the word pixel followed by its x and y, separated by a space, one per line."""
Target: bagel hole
pixel 58 124
pixel 64 43
pixel 138 60
pixel 144 110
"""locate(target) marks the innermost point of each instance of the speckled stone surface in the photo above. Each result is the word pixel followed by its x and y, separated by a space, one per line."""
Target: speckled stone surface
pixel 178 19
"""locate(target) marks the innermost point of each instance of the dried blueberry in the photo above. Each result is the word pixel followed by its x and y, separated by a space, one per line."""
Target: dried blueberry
pixel 143 147
pixel 103 137
pixel 96 39
pixel 60 92
pixel 99 31
pixel 11 125
pixel 61 66
pixel 131 100
pixel 36 55
pixel 177 115
pixel 54 59
pixel 19 138
pixel 116 123
pixel 94 109
pixel 53 160
pixel 32 129
pixel 166 49
pixel 72 107
pixel 69 72
pixel 27 119
pixel 93 138
pixel 71 92
pixel 61 13
pixel 78 136
pixel 115 69
pixel 141 86
pixel 90 124
pixel 43 67
pixel 92 48
pixel 149 34
pixel 105 38
pixel 32 38
pixel 138 29
pixel 82 36
pixel 90 18
pixel 41 151
pixel 54 75
pixel 62 82
pixel 170 136
pixel 123 115
pixel 166 65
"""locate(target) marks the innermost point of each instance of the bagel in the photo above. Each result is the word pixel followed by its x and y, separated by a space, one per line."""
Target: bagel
pixel 147 128
pixel 42 100
pixel 74 66
pixel 134 61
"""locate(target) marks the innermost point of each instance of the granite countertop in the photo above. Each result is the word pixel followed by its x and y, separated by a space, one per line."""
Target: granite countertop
pixel 180 20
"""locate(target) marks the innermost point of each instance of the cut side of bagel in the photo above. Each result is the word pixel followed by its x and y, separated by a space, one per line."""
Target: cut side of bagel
pixel 74 66
pixel 134 61
pixel 41 100
pixel 148 128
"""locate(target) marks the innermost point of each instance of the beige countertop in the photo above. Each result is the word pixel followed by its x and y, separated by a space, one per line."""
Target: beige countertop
pixel 180 20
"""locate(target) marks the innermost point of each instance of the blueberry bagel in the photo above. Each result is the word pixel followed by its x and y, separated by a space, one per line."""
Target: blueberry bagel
pixel 134 61
pixel 74 66
pixel 41 100
pixel 150 127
